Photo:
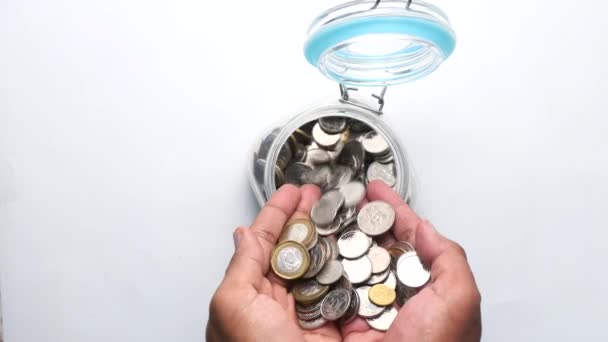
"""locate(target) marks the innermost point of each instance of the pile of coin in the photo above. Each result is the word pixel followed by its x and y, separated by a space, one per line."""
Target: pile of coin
pixel 335 267
pixel 329 152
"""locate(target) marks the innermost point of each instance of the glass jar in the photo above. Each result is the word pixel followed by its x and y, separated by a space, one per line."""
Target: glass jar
pixel 361 44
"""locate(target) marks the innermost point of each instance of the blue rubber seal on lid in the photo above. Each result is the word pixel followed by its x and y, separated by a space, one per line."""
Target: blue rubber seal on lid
pixel 417 28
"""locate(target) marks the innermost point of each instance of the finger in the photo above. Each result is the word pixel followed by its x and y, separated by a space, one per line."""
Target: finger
pixel 247 264
pixel 310 194
pixel 451 275
pixel 271 219
pixel 406 219
pixel 355 326
pixel 365 336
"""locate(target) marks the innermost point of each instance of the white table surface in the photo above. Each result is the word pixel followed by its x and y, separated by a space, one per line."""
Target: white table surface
pixel 125 127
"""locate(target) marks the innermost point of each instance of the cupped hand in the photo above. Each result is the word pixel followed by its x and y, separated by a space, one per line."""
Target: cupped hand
pixel 251 303
pixel 447 308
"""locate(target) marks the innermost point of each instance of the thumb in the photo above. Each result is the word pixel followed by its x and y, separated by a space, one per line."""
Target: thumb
pixel 247 263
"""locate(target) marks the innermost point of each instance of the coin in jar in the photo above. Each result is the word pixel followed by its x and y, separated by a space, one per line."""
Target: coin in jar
pixel 290 260
pixel 323 139
pixel 384 321
pixel 374 143
pixel 383 172
pixel 376 218
pixel 300 230
pixel 297 173
pixel 331 272
pixel 332 124
pixel 335 304
pixel 308 291
pixel 382 295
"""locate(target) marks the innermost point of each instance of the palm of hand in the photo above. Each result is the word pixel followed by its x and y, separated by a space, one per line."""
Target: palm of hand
pixel 252 304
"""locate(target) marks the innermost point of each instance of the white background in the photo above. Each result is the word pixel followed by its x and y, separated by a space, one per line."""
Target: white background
pixel 125 128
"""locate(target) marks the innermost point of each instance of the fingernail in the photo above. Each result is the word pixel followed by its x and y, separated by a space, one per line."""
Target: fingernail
pixel 236 236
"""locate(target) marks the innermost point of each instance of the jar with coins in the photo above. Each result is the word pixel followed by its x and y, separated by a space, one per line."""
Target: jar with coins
pixel 365 47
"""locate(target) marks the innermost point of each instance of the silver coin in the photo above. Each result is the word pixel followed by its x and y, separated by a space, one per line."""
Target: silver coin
pixel 290 260
pixel 354 193
pixel 380 259
pixel 318 257
pixel 353 244
pixel 357 270
pixel 383 172
pixel 319 176
pixel 411 272
pixel 353 308
pixel 331 272
pixel 334 251
pixel 325 210
pixel 366 307
pixel 376 218
pixel 299 153
pixel 374 143
pixel 317 156
pixel 404 293
pixel 388 158
pixel 335 304
pixel 284 156
pixel 331 229
pixel 391 280
pixel 314 324
pixel 348 216
pixel 328 141
pixel 352 155
pixel 378 278
pixel 340 175
pixel 384 321
pixel 297 173
pixel 344 283
pixel 308 312
pixel 333 124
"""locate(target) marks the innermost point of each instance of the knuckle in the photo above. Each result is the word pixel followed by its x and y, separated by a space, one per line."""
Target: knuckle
pixel 458 249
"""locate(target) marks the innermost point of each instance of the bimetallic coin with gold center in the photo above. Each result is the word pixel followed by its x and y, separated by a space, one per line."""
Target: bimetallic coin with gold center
pixel 290 260
pixel 382 295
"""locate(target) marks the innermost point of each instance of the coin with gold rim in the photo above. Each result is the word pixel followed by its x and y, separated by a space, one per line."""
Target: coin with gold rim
pixel 300 230
pixel 382 295
pixel 290 260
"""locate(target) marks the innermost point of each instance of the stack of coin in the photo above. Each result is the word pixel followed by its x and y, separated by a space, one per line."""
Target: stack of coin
pixel 335 268
pixel 329 152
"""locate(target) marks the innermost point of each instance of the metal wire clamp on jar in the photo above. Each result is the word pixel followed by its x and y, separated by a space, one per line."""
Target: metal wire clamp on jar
pixel 363 45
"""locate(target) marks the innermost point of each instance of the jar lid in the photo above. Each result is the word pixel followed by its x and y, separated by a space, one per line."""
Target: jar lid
pixel 379 42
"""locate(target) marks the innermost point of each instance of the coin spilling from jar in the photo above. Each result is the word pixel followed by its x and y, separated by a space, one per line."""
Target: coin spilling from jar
pixel 329 152
pixel 336 269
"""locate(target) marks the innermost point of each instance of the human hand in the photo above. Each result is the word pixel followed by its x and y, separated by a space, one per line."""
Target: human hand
pixel 251 303
pixel 445 309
